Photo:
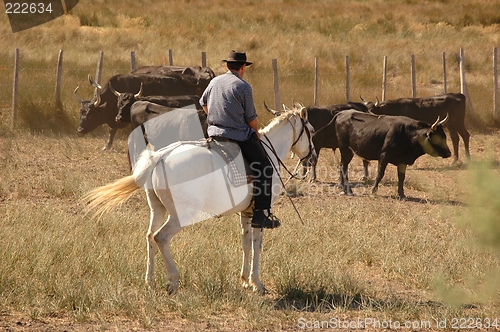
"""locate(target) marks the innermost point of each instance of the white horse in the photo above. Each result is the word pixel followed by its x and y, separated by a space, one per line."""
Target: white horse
pixel 182 180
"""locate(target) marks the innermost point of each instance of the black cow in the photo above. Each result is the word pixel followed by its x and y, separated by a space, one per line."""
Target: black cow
pixel 127 99
pixel 397 140
pixel 160 126
pixel 321 118
pixel 197 75
pixel 427 110
pixel 103 109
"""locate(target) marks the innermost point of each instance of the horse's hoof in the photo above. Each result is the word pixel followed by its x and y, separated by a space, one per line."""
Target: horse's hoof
pixel 259 289
pixel 172 287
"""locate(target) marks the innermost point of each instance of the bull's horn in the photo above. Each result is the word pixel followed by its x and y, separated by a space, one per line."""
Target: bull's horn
pixel 139 94
pixel 116 93
pixel 77 96
pixel 98 100
pixel 270 110
pixel 443 122
pixel 94 83
pixel 377 102
pixel 285 108
pixel 364 101
pixel 435 124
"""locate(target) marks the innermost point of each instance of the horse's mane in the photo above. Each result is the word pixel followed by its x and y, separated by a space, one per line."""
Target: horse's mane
pixel 278 120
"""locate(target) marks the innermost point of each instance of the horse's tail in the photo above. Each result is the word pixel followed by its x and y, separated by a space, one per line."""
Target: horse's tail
pixel 147 162
pixel 107 197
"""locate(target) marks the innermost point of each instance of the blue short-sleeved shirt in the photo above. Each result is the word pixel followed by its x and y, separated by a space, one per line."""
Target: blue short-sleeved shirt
pixel 230 104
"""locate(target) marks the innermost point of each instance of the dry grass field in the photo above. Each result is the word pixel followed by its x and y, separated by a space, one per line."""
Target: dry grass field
pixel 427 261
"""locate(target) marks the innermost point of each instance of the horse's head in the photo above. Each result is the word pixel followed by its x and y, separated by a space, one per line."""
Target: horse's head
pixel 302 145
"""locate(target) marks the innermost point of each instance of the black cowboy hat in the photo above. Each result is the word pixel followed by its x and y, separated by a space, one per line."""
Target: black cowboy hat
pixel 239 57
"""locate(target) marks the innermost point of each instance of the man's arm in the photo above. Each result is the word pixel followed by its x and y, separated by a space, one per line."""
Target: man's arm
pixel 254 124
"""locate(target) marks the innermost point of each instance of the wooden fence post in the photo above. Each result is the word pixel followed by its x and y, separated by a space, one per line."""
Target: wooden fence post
pixel 98 71
pixel 413 77
pixel 203 59
pixel 316 81
pixel 463 84
pixel 277 101
pixel 384 78
pixel 58 101
pixel 495 82
pixel 347 79
pixel 462 71
pixel 445 84
pixel 132 61
pixel 15 85
pixel 170 58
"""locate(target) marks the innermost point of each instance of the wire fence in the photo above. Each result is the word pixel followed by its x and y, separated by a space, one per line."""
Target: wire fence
pixel 317 80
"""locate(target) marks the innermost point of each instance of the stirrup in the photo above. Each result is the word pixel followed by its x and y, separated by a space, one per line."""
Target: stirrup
pixel 269 222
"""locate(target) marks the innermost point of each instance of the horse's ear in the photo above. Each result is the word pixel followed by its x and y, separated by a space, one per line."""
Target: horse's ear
pixel 303 113
pixel 296 104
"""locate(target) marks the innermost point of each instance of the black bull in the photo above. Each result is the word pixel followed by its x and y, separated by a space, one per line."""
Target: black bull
pixel 396 140
pixel 427 110
pixel 103 108
pixel 321 118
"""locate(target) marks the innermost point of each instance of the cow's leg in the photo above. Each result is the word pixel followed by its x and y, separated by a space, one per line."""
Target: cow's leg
pixel 305 168
pixel 454 141
pixel 246 244
pixel 401 180
pixel 111 136
pixel 382 164
pixel 157 218
pixel 366 163
pixel 465 137
pixel 313 167
pixel 346 157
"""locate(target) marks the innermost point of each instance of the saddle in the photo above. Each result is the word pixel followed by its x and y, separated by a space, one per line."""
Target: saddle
pixel 238 170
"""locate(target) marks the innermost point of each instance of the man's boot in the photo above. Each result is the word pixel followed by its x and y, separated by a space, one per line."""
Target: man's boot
pixel 264 219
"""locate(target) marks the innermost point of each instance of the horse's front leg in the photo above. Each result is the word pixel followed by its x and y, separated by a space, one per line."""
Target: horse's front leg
pixel 257 249
pixel 251 241
pixel 246 243
pixel 157 218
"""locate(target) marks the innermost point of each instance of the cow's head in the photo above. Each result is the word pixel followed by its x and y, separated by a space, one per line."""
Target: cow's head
pixel 124 103
pixel 90 113
pixel 434 141
pixel 370 105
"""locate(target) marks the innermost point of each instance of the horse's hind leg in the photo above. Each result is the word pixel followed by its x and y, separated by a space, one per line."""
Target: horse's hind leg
pixel 157 218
